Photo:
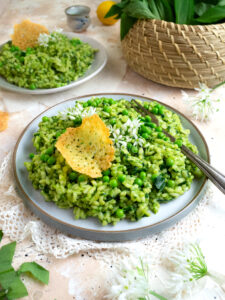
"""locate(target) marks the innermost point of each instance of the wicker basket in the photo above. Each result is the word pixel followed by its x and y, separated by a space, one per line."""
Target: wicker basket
pixel 176 55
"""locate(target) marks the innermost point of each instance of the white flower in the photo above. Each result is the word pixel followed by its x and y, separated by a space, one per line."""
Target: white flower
pixel 204 103
pixel 126 133
pixel 190 272
pixel 43 39
pixel 130 281
pixel 76 111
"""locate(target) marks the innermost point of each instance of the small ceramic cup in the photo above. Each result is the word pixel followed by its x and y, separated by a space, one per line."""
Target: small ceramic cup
pixel 78 17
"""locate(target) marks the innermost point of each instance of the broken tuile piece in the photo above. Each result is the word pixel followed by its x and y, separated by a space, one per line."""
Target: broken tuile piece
pixel 26 34
pixel 87 148
pixel 4 117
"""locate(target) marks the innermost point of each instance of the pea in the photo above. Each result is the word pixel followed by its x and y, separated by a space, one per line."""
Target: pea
pixel 73 176
pixel 134 149
pixel 105 178
pixel 89 102
pixel 170 183
pixel 169 162
pixel 143 129
pixel 158 129
pixel 82 178
pixel 44 157
pixel 154 176
pixel 138 181
pixel 106 172
pixel 145 135
pixel 120 213
pixel 125 112
pixel 197 172
pixel 85 104
pixel 129 146
pixel 45 119
pixel 32 86
pixel 94 103
pixel 111 101
pixel 179 142
pixel 161 135
pixel 152 125
pixel 107 109
pixel 51 160
pixel 112 121
pixel 148 131
pixel 121 178
pixel 161 111
pixel 155 110
pixel 148 119
pixel 31 155
pixel 113 183
pixel 166 139
pixel 142 119
pixel 142 175
pixel 50 151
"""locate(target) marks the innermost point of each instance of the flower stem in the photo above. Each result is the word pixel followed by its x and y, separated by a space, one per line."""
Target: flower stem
pixel 218 85
pixel 157 295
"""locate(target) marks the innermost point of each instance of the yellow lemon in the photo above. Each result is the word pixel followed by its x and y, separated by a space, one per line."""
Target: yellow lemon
pixel 102 10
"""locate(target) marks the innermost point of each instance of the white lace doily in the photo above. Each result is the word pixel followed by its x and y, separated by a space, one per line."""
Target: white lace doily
pixel 18 223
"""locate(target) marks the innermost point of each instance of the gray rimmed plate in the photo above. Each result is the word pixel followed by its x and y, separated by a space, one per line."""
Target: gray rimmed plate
pixel 63 219
pixel 96 67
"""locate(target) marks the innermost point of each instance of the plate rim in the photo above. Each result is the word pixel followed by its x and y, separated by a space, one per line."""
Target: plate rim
pixel 73 84
pixel 52 218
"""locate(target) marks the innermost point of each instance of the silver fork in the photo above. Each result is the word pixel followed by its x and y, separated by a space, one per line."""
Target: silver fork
pixel 215 176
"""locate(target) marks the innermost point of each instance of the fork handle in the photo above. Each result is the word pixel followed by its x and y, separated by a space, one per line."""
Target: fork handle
pixel 215 176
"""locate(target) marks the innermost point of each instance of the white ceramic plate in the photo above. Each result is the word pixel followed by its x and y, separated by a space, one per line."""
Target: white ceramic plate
pixel 98 64
pixel 90 228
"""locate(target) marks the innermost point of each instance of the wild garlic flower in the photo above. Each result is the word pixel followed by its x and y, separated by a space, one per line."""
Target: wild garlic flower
pixel 43 39
pixel 126 133
pixel 131 281
pixel 204 103
pixel 189 269
pixel 76 111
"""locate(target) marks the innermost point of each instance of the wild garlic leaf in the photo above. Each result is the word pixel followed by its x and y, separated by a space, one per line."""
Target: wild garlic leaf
pixel 126 24
pixel 37 271
pixel 154 9
pixel 160 182
pixel 184 10
pixel 6 256
pixel 114 10
pixel 201 8
pixel 11 282
pixel 212 15
pixel 139 9
pixel 1 235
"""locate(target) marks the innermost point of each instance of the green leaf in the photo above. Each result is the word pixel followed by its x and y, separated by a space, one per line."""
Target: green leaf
pixel 157 295
pixel 184 10
pixel 1 235
pixel 126 24
pixel 165 10
pixel 201 8
pixel 139 9
pixel 114 10
pixel 11 282
pixel 6 256
pixel 154 9
pixel 37 271
pixel 213 15
pixel 160 182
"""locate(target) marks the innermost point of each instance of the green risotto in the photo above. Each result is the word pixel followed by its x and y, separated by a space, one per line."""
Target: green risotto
pixel 148 168
pixel 55 62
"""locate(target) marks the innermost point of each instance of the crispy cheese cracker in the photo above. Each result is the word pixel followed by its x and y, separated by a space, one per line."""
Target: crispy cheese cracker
pixel 87 148
pixel 4 117
pixel 26 34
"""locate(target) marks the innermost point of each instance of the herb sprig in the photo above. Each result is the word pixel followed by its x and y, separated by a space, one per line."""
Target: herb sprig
pixel 11 286
pixel 190 12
